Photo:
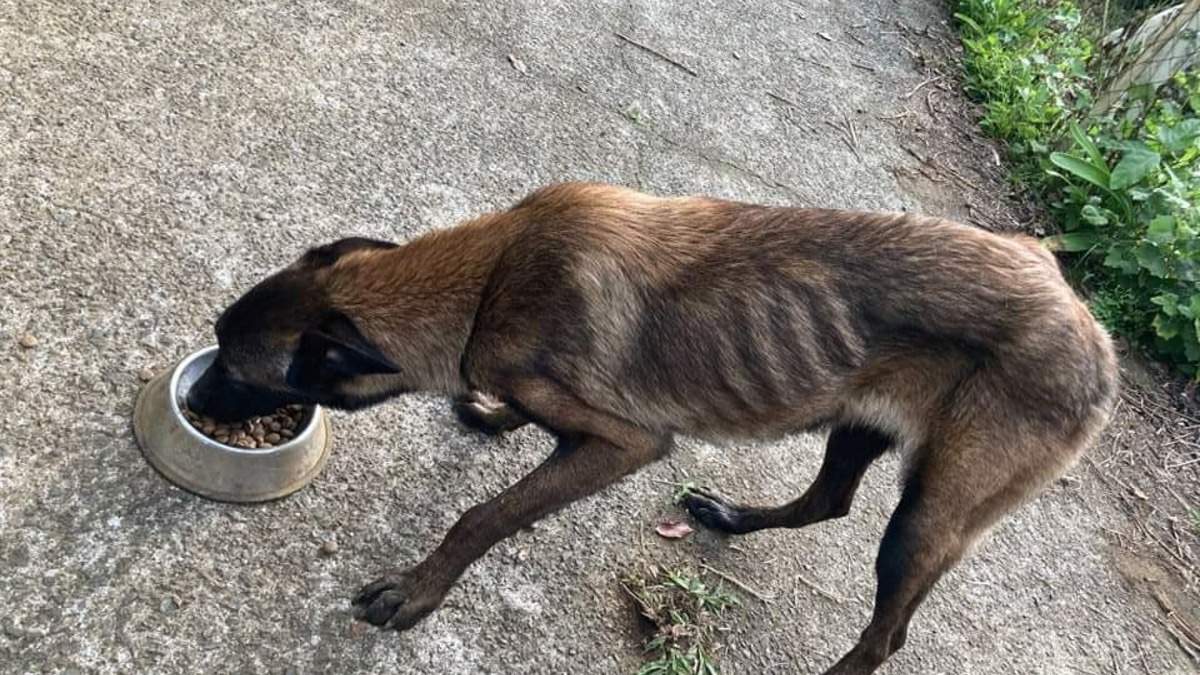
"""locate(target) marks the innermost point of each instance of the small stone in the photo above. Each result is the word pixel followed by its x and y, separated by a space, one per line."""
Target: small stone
pixel 28 341
pixel 329 547
pixel 145 374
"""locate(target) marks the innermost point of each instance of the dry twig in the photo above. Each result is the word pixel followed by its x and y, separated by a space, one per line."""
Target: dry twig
pixel 820 591
pixel 737 582
pixel 657 53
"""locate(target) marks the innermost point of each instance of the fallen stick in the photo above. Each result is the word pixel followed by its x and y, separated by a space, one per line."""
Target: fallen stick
pixel 657 53
pixel 736 582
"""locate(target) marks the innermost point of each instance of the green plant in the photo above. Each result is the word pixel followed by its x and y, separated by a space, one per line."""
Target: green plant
pixel 1026 60
pixel 1130 202
pixel 681 608
pixel 682 490
pixel 1124 188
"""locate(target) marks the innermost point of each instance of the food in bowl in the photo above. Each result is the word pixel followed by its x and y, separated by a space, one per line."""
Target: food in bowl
pixel 255 433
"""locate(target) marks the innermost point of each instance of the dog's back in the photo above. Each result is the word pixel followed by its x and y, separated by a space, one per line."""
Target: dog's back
pixel 716 318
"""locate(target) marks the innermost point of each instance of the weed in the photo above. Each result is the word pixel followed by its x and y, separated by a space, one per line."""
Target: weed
pixel 682 610
pixel 1129 189
pixel 1027 62
pixel 682 491
pixel 1124 188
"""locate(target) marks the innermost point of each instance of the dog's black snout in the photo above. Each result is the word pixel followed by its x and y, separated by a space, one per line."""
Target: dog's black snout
pixel 200 396
pixel 218 396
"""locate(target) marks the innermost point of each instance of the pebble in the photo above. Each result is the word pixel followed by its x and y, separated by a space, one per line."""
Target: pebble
pixel 329 547
pixel 28 341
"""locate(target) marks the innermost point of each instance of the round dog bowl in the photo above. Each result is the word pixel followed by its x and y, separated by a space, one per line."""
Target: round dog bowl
pixel 214 470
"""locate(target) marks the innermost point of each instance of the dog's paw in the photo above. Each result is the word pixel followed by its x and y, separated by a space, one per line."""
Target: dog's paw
pixel 485 414
pixel 715 512
pixel 399 599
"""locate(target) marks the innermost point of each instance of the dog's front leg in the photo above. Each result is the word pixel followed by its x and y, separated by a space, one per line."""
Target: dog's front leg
pixel 594 450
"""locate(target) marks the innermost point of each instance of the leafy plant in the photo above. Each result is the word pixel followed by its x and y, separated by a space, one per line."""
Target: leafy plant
pixel 1130 201
pixel 1027 61
pixel 683 490
pixel 1124 188
pixel 681 608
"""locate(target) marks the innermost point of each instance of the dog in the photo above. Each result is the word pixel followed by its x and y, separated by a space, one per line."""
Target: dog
pixel 616 320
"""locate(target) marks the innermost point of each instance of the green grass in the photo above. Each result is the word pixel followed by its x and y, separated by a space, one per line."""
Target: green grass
pixel 682 610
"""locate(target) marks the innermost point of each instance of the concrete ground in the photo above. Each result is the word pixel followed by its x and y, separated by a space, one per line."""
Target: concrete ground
pixel 156 158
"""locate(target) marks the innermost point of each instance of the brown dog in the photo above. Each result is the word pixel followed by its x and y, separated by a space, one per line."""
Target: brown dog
pixel 616 320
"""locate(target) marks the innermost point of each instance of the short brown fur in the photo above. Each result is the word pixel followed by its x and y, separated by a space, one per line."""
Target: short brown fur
pixel 617 320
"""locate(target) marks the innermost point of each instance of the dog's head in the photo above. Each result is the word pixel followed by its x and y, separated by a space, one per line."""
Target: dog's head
pixel 285 342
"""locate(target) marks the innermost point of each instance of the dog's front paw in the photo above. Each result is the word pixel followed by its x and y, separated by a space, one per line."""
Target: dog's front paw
pixel 715 512
pixel 398 599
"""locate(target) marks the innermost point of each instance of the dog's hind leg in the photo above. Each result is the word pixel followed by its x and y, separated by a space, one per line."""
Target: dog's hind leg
pixel 849 451
pixel 485 414
pixel 954 494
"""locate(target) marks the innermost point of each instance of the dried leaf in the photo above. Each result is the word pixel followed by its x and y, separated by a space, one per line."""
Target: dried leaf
pixel 673 529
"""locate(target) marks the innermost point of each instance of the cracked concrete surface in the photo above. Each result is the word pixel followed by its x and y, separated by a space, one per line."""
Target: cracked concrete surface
pixel 156 158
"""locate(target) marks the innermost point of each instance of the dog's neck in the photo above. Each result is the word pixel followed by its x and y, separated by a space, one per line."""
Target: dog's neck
pixel 418 301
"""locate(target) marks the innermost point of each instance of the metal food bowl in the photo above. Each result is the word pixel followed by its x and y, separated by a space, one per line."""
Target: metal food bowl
pixel 214 470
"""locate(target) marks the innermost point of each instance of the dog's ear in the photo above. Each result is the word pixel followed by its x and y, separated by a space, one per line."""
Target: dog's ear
pixel 324 256
pixel 336 347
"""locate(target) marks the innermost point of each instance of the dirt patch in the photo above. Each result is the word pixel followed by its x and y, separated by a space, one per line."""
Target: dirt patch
pixel 960 173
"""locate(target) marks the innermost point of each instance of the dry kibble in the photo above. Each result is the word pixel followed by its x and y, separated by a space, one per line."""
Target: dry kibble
pixel 28 341
pixel 255 433
pixel 329 547
pixel 145 374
